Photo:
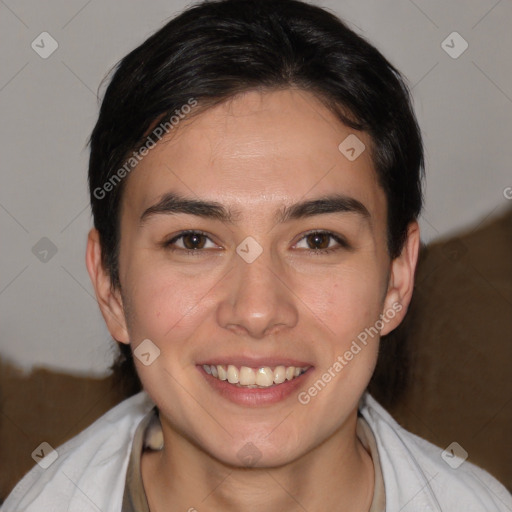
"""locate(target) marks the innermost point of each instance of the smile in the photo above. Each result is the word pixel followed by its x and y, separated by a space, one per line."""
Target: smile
pixel 262 377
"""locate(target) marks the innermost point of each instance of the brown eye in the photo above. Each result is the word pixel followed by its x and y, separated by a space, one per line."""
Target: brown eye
pixel 322 242
pixel 193 241
pixel 318 240
pixel 190 242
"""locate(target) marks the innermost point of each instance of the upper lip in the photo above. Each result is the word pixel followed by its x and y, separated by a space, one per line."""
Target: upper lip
pixel 255 362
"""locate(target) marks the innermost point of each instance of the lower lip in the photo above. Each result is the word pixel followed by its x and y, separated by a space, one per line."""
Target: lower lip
pixel 254 397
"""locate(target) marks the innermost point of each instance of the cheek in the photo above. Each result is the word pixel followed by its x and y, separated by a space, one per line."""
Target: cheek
pixel 164 304
pixel 170 310
pixel 345 299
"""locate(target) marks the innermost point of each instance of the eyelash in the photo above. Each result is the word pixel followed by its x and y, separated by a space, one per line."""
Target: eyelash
pixel 189 252
pixel 343 244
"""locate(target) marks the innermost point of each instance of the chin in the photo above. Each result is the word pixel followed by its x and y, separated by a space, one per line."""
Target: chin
pixel 245 453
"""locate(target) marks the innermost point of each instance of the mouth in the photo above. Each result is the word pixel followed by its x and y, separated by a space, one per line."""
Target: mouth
pixel 251 378
pixel 256 385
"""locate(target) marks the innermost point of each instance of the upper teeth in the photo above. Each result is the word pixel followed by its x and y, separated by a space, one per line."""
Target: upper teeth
pixel 245 376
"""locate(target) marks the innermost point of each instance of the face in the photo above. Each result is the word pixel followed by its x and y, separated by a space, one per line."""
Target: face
pixel 248 239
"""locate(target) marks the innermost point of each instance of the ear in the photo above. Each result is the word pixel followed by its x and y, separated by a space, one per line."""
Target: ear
pixel 401 280
pixel 109 299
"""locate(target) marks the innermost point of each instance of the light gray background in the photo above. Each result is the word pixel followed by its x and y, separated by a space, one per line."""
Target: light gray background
pixel 49 316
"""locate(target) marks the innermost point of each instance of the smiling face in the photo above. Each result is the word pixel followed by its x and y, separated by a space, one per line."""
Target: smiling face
pixel 284 264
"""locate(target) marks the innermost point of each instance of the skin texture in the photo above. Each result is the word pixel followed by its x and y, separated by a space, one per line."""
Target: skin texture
pixel 255 154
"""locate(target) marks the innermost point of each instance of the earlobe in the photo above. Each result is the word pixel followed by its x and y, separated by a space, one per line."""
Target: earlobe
pixel 401 280
pixel 109 299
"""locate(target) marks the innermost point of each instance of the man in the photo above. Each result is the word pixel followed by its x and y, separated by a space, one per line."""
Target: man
pixel 255 179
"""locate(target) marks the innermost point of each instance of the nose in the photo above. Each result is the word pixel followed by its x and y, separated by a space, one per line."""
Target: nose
pixel 257 301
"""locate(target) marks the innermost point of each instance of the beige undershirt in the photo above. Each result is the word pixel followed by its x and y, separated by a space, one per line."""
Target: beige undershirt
pixel 148 437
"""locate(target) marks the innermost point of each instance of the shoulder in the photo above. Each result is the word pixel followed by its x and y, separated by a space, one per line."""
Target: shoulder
pixel 89 470
pixel 417 476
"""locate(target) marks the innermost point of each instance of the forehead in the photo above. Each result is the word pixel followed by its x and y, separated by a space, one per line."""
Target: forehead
pixel 255 152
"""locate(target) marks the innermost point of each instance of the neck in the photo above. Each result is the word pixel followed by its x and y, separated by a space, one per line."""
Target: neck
pixel 336 475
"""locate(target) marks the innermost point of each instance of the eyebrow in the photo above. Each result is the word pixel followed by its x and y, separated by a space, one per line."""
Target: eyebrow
pixel 172 203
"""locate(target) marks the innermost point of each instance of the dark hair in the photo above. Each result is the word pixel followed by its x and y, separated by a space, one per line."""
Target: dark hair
pixel 217 49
